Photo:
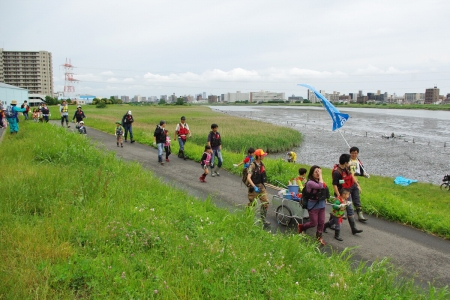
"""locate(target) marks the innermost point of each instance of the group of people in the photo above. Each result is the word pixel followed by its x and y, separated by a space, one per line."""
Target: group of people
pixel 347 199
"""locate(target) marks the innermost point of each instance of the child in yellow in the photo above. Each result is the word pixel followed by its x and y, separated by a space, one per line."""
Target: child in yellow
pixel 291 157
pixel 339 207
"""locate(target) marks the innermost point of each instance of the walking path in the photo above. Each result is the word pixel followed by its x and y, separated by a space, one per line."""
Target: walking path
pixel 416 252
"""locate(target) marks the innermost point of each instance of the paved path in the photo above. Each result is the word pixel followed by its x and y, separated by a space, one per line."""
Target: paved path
pixel 415 252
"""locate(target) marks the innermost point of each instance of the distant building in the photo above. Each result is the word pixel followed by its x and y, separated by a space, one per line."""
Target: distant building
pixel 30 70
pixel 431 96
pixel 163 97
pixel 294 98
pixel 10 92
pixel 204 95
pixel 447 100
pixel 233 97
pixel 414 98
pixel 264 96
pixel 212 99
pixel 125 99
pixel 83 99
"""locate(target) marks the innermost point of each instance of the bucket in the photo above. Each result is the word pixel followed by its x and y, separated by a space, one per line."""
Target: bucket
pixel 293 189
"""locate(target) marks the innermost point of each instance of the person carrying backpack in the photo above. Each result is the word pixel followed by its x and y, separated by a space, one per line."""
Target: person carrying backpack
pixel 343 179
pixel 215 141
pixel 45 112
pixel 159 138
pixel 315 193
pixel 182 132
pixel 27 109
pixel 11 116
pixel 256 189
pixel 79 115
pixel 127 123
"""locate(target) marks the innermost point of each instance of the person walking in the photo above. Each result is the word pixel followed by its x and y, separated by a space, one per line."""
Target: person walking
pixel 119 133
pixel 167 147
pixel 64 113
pixel 127 123
pixel 344 179
pixel 256 189
pixel 182 132
pixel 27 109
pixel 337 215
pixel 79 115
pixel 45 112
pixel 215 141
pixel 357 169
pixel 316 196
pixel 11 116
pixel 205 161
pixel 159 138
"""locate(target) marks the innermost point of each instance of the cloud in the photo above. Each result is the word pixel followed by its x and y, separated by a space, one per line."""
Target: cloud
pixel 107 73
pixel 112 80
pixel 128 80
pixel 372 70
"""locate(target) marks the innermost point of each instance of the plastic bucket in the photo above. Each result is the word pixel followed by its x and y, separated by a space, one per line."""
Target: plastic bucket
pixel 293 189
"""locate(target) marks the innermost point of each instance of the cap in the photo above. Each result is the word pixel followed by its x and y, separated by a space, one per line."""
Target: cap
pixel 183 118
pixel 260 153
pixel 81 122
pixel 118 122
pixel 129 112
pixel 79 106
pixel 14 102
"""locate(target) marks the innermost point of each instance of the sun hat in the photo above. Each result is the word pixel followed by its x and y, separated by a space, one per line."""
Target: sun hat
pixel 81 122
pixel 14 102
pixel 79 106
pixel 260 153
pixel 129 112
pixel 118 122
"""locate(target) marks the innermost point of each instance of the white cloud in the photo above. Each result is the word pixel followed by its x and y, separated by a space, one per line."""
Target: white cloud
pixel 107 73
pixel 112 80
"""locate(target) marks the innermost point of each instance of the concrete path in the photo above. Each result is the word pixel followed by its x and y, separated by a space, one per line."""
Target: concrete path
pixel 413 251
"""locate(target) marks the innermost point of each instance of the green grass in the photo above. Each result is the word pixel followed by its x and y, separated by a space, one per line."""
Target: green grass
pixel 420 205
pixel 74 225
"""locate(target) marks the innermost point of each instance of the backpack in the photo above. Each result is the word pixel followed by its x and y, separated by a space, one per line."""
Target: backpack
pixel 348 179
pixel 244 177
pixel 10 113
pixel 321 194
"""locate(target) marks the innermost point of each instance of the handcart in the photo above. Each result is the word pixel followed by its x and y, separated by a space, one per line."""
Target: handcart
pixel 287 208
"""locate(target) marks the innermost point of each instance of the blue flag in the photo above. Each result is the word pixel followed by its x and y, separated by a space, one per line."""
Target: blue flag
pixel 338 118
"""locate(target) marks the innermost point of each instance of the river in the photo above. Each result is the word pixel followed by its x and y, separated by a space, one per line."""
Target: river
pixel 421 149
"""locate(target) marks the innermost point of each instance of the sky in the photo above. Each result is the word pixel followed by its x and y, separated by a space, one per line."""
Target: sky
pixel 153 48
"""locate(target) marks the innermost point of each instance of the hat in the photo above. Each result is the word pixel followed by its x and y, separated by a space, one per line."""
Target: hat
pixel 79 106
pixel 260 153
pixel 118 122
pixel 81 122
pixel 14 102
pixel 183 118
pixel 129 112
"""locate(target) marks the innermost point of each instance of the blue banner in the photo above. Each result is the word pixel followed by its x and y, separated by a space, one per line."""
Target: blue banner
pixel 338 118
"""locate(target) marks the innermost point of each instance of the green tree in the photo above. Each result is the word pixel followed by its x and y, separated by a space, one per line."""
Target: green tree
pixel 180 101
pixel 162 102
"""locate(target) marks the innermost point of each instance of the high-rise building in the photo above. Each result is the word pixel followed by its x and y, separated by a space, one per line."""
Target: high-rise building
pixel 264 96
pixel 431 95
pixel 31 70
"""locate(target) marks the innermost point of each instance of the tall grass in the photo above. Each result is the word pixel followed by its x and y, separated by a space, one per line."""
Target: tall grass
pixel 77 223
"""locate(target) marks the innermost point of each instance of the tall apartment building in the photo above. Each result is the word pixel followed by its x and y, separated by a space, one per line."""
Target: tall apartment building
pixel 431 95
pixel 31 70
pixel 264 96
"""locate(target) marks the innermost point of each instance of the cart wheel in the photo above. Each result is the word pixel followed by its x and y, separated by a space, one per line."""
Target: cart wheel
pixel 283 214
pixel 445 186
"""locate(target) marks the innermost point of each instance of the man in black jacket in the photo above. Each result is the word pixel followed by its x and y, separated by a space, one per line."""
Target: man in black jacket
pixel 127 123
pixel 159 138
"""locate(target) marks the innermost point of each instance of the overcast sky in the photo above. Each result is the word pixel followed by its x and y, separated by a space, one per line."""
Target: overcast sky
pixel 153 48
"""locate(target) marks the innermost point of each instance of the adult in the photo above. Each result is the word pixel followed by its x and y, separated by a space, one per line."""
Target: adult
pixel 215 141
pixel 64 113
pixel 159 138
pixel 127 123
pixel 79 115
pixel 45 112
pixel 256 189
pixel 316 196
pixel 182 132
pixel 344 179
pixel 27 109
pixel 357 169
pixel 11 116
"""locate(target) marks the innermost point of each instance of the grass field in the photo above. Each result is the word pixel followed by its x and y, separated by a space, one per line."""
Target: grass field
pixel 420 205
pixel 73 227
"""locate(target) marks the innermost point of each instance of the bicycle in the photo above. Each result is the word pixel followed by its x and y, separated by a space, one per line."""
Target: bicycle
pixel 446 185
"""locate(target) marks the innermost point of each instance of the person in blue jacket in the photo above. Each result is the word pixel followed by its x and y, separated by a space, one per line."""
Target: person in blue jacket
pixel 12 120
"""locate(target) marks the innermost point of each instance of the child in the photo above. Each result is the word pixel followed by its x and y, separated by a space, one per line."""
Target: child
pixel 82 129
pixel 291 157
pixel 35 115
pixel 248 159
pixel 339 207
pixel 206 159
pixel 119 133
pixel 300 179
pixel 167 145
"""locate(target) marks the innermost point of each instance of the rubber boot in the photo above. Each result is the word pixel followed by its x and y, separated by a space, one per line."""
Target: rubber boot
pixel 360 215
pixel 263 215
pixel 327 225
pixel 319 238
pixel 337 235
pixel 202 178
pixel 351 221
pixel 300 228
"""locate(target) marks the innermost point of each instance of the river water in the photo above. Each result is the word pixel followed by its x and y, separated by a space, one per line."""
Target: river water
pixel 421 149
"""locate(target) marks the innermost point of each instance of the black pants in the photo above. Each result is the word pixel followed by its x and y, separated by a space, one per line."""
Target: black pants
pixel 168 151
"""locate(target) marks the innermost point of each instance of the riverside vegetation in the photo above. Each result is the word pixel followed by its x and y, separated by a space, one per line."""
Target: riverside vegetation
pixel 421 205
pixel 73 226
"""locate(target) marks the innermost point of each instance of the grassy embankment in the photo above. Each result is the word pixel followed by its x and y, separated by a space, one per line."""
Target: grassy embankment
pixel 420 205
pixel 74 226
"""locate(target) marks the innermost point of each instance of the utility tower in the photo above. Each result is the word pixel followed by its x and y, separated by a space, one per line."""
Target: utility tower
pixel 69 89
